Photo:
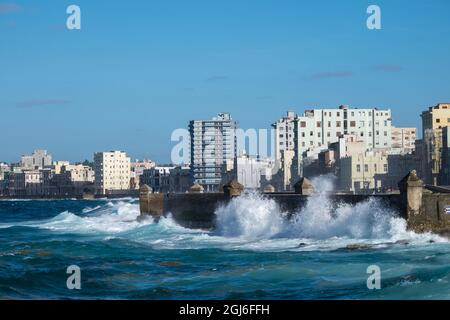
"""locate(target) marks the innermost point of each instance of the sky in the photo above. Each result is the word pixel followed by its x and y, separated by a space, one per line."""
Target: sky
pixel 138 69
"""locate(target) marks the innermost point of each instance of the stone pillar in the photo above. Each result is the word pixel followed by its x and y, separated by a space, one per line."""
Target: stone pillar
pixel 150 203
pixel 411 190
pixel 269 189
pixel 304 187
pixel 196 188
pixel 144 195
pixel 233 189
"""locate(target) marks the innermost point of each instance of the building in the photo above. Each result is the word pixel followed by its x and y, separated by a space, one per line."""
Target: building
pixel 157 178
pixel 179 179
pixel 3 169
pixel 57 166
pixel 284 134
pixel 112 172
pixel 39 159
pixel 348 145
pixel 318 128
pixel 433 120
pixel 249 170
pixel 357 173
pixel 213 142
pixel 398 165
pixel 445 157
pixel 403 139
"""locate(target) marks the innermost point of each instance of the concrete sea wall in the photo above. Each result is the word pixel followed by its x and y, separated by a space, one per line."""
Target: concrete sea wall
pixel 425 210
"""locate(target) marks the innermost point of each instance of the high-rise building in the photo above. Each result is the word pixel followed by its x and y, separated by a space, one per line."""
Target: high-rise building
pixel 317 128
pixel 213 142
pixel 39 159
pixel 284 134
pixel 112 172
pixel 433 120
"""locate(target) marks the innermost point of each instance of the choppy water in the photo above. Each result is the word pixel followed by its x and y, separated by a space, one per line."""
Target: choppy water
pixel 253 254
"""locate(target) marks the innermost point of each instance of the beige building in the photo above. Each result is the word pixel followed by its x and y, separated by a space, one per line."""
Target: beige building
pixel 357 173
pixel 57 166
pixel 112 172
pixel 433 120
pixel 403 139
pixel 79 173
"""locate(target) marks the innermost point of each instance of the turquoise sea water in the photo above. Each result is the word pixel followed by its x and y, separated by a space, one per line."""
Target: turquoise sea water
pixel 253 254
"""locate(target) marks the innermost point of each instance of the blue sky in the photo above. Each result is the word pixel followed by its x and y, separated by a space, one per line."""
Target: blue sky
pixel 139 69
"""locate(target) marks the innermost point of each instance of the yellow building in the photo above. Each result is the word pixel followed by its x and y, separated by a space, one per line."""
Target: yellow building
pixel 433 120
pixel 357 173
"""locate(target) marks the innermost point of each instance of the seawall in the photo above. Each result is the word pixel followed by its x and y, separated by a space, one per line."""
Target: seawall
pixel 424 210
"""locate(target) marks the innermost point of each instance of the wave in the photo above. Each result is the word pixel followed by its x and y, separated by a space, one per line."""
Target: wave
pixel 249 222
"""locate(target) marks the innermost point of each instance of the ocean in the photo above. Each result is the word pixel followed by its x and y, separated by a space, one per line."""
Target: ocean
pixel 254 253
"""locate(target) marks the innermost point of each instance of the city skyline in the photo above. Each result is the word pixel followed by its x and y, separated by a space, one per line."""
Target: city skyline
pixel 133 74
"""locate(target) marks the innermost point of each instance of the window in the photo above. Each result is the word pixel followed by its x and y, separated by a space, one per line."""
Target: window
pixel 329 123
pixel 385 167
pixel 366 168
pixel 311 133
pixel 358 168
pixel 338 124
pixel 303 124
pixel 352 123
pixel 438 120
pixel 318 124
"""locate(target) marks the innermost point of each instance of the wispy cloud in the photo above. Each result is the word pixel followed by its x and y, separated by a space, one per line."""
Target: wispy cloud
pixel 42 102
pixel 217 78
pixel 388 68
pixel 8 7
pixel 332 74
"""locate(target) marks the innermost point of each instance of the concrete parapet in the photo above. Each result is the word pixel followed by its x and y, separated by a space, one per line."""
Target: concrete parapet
pixel 304 187
pixel 196 188
pixel 233 189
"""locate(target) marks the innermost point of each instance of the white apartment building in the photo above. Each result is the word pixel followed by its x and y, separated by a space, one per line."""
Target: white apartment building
pixel 213 142
pixel 248 171
pixel 3 169
pixel 39 159
pixel 403 139
pixel 284 134
pixel 318 128
pixel 112 171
